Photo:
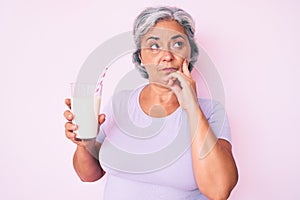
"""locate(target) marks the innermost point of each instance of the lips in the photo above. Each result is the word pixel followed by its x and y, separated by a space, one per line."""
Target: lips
pixel 169 69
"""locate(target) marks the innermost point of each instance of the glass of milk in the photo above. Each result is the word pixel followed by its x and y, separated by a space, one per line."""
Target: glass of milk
pixel 85 105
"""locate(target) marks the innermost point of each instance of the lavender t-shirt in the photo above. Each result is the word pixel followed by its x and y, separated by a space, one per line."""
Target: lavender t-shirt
pixel 150 158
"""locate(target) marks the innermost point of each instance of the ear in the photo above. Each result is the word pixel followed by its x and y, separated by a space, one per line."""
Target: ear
pixel 141 59
pixel 140 56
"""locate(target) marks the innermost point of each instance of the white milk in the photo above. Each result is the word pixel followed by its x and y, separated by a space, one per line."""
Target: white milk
pixel 85 110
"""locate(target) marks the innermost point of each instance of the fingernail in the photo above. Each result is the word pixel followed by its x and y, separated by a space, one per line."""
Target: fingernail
pixel 70 116
pixel 74 126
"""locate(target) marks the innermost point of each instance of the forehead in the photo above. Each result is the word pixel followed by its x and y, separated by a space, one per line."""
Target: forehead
pixel 166 28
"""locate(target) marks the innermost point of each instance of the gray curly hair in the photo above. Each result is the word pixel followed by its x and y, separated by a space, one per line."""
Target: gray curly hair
pixel 149 17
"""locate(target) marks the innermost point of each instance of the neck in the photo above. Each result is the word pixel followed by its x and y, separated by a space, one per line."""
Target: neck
pixel 161 94
pixel 158 101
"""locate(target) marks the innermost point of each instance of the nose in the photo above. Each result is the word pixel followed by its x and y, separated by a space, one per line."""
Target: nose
pixel 167 56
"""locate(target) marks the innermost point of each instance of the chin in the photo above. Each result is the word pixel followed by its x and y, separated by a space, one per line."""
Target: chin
pixel 162 82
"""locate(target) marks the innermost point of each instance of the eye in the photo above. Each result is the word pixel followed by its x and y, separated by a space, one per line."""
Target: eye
pixel 178 45
pixel 154 46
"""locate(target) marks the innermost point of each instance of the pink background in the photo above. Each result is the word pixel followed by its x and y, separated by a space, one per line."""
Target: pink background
pixel 254 45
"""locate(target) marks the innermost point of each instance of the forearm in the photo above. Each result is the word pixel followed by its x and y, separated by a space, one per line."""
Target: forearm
pixel 86 164
pixel 214 167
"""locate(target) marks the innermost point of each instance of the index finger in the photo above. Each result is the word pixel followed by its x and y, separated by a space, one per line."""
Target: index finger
pixel 185 68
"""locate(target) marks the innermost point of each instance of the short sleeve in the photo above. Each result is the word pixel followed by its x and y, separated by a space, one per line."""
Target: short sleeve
pixel 101 136
pixel 217 118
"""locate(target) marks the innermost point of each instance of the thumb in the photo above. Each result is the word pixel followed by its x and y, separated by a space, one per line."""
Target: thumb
pixel 101 118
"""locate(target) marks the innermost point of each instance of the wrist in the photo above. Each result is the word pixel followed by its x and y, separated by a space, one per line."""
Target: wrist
pixel 85 146
pixel 86 151
pixel 193 108
pixel 195 113
pixel 89 146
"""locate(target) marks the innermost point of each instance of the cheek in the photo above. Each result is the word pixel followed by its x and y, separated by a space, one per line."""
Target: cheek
pixel 184 53
pixel 149 57
pixel 188 56
pixel 187 52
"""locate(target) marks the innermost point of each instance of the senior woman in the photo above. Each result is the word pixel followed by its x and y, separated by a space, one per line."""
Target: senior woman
pixel 160 141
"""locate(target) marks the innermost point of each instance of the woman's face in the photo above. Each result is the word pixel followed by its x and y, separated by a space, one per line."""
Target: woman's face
pixel 164 48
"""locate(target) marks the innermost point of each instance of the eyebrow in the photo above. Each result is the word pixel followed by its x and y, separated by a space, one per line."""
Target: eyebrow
pixel 152 38
pixel 157 38
pixel 177 36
